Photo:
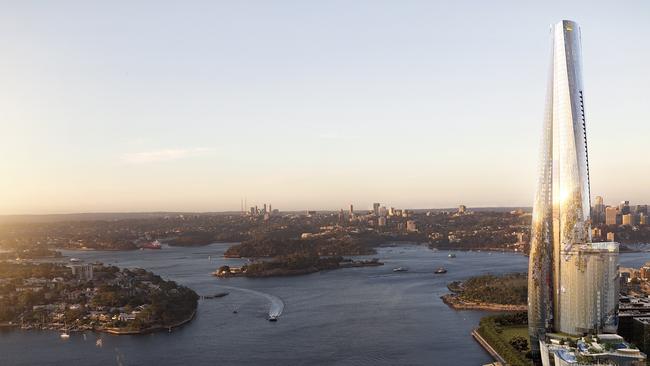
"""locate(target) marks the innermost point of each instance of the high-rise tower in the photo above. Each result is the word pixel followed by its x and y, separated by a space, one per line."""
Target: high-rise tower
pixel 572 282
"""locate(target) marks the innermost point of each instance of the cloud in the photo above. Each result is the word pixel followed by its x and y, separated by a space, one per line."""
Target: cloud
pixel 164 155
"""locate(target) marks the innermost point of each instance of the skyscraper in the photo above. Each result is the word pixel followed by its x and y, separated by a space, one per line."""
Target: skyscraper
pixel 598 214
pixel 375 208
pixel 572 282
pixel 612 216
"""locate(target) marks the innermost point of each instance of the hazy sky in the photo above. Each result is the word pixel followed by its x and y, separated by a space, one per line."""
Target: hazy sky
pixel 191 105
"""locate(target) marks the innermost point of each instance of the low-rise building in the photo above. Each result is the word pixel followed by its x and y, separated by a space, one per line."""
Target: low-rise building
pixel 601 349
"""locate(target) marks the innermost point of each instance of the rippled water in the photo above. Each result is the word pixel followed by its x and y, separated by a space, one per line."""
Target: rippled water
pixel 352 316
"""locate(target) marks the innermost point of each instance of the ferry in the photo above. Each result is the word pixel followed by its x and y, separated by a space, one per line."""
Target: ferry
pixel 440 270
pixel 400 269
pixel 153 245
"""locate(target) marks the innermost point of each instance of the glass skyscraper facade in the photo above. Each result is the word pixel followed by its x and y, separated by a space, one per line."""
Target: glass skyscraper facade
pixel 572 282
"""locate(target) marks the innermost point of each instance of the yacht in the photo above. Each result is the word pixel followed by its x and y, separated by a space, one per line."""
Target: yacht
pixel 440 270
pixel 153 245
pixel 400 269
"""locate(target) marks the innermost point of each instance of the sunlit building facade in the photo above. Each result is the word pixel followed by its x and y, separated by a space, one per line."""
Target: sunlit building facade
pixel 572 282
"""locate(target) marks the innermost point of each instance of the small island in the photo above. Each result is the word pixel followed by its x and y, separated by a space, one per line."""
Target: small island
pixel 508 292
pixel 292 265
pixel 80 297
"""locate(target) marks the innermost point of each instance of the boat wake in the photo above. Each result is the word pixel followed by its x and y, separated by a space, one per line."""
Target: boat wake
pixel 276 304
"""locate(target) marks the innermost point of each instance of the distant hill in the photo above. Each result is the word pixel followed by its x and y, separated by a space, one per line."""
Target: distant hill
pixel 109 216
pixel 98 216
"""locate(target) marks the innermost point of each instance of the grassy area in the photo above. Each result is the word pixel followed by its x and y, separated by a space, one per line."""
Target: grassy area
pixel 507 333
pixel 509 289
pixel 500 330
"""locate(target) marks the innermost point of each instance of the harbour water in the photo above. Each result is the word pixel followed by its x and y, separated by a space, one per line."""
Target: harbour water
pixel 353 316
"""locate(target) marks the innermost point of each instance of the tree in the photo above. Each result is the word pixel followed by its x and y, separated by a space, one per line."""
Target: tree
pixel 519 343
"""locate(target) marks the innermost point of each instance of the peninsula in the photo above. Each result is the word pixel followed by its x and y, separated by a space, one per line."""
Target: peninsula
pixel 488 292
pixel 82 296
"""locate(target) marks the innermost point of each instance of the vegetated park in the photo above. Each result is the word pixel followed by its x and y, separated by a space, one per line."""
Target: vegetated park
pixel 508 335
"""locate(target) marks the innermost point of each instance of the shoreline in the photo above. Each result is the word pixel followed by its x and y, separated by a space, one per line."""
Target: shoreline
pixel 113 331
pixel 118 331
pixel 487 347
pixel 454 302
pixel 283 272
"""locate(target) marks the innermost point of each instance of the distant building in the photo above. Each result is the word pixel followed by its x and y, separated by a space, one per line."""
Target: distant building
pixel 411 226
pixel 644 272
pixel 381 221
pixel 611 236
pixel 375 208
pixel 643 219
pixel 628 219
pixel 462 209
pixel 82 271
pixel 351 210
pixel 383 211
pixel 624 207
pixel 596 232
pixel 611 215
pixel 598 214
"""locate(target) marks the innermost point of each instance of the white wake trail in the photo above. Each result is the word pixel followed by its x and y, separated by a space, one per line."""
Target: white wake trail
pixel 276 307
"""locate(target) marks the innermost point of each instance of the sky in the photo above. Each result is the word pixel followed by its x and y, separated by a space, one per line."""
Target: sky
pixel 191 106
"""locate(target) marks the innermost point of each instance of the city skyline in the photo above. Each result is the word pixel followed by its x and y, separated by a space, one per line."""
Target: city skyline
pixel 100 115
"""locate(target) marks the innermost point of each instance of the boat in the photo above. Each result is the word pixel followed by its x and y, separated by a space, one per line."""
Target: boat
pixel 273 318
pixel 440 270
pixel 65 335
pixel 219 294
pixel 153 245
pixel 452 255
pixel 75 260
pixel 400 269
